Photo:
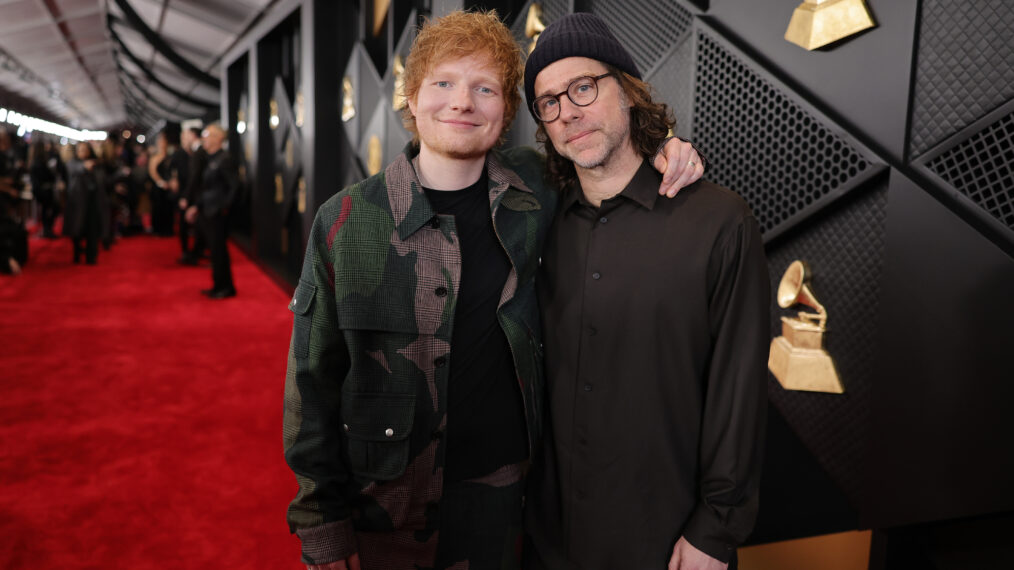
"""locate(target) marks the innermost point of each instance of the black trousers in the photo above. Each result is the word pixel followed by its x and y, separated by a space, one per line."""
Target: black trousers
pixel 480 524
pixel 217 229
pixel 191 245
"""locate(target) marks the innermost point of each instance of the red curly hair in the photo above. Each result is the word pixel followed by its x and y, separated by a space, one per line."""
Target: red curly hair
pixel 460 34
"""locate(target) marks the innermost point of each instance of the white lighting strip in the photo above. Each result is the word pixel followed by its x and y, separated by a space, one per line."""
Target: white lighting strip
pixel 28 124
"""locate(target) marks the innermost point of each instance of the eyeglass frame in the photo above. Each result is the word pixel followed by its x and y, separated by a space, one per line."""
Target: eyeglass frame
pixel 595 81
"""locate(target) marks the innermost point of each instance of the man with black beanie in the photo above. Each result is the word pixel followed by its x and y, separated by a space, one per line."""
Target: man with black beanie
pixel 657 400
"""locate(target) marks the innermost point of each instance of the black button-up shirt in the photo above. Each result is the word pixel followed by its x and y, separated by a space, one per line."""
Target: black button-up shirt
pixel 656 341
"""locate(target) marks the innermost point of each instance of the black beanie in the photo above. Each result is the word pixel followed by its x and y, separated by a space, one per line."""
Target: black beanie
pixel 575 35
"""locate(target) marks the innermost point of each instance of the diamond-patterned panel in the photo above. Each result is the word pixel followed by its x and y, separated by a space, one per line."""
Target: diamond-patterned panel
pixel 965 67
pixel 648 29
pixel 844 247
pixel 673 83
pixel 765 146
pixel 982 168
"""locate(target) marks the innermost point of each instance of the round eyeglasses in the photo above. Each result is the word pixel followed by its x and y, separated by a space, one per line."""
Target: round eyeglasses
pixel 582 92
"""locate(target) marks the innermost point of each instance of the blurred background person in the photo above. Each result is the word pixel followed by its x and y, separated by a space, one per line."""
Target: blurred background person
pixel 87 211
pixel 187 164
pixel 159 169
pixel 47 179
pixel 217 187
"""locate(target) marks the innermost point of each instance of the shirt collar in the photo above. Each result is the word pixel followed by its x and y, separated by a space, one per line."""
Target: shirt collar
pixel 409 205
pixel 642 189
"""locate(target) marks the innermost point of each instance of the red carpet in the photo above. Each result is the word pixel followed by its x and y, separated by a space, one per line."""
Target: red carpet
pixel 140 423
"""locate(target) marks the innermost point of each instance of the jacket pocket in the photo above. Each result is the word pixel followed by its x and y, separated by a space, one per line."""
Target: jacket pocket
pixel 301 307
pixel 377 427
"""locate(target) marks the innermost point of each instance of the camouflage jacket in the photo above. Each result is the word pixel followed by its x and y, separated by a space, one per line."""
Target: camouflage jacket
pixel 365 390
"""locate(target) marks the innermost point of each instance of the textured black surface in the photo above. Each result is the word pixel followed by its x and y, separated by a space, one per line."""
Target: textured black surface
pixel 764 144
pixel 648 29
pixel 943 386
pixel 673 82
pixel 965 66
pixel 844 247
pixel 982 168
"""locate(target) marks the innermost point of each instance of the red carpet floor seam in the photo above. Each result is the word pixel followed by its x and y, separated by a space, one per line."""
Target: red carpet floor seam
pixel 140 422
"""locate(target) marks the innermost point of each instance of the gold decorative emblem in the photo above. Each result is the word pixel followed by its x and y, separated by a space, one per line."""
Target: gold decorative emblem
pixel 817 23
pixel 273 120
pixel 797 358
pixel 279 189
pixel 398 96
pixel 300 111
pixel 289 153
pixel 248 150
pixel 534 25
pixel 375 158
pixel 301 201
pixel 348 100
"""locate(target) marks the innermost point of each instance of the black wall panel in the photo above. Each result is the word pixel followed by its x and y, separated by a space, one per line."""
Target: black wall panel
pixel 863 82
pixel 965 67
pixel 945 380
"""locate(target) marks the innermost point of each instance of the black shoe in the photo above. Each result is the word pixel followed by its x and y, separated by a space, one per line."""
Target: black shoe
pixel 187 260
pixel 207 292
pixel 222 293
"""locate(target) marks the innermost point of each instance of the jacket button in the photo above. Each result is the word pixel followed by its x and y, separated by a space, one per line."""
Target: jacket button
pixel 596 275
pixel 440 362
pixel 441 291
pixel 389 432
pixel 346 427
pixel 435 223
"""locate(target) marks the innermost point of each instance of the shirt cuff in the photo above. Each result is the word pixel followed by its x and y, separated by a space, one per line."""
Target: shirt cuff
pixel 327 543
pixel 707 534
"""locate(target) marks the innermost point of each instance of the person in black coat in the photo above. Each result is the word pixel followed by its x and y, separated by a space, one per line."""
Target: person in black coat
pixel 44 174
pixel 87 211
pixel 218 185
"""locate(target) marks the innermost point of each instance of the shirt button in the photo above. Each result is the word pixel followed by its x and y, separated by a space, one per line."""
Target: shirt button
pixel 592 331
pixel 603 220
pixel 346 427
pixel 389 432
pixel 587 387
pixel 441 291
pixel 440 362
pixel 596 275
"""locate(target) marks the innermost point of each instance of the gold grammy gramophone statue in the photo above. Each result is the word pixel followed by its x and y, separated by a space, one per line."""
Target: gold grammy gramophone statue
pixel 348 100
pixel 534 25
pixel 797 358
pixel 398 95
pixel 817 23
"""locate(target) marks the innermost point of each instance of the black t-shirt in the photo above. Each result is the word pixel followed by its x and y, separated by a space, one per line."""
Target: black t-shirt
pixel 485 413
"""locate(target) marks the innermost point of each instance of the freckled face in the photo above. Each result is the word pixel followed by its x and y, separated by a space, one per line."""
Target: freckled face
pixel 459 108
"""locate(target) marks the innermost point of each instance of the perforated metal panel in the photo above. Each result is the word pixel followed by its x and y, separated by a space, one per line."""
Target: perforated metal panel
pixel 783 157
pixel 648 29
pixel 965 66
pixel 982 168
pixel 844 246
pixel 673 82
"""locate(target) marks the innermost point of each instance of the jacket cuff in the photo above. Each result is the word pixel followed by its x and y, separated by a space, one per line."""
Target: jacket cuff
pixel 327 543
pixel 707 533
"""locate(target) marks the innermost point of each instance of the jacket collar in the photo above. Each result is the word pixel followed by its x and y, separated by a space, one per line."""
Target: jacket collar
pixel 410 207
